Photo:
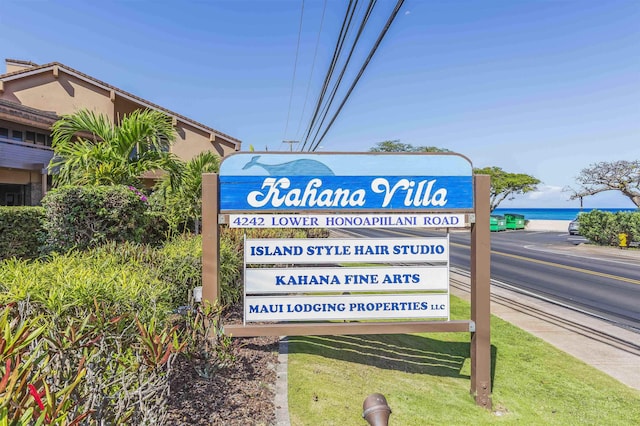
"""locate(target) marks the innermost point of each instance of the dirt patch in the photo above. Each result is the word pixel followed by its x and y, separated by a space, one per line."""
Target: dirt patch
pixel 241 394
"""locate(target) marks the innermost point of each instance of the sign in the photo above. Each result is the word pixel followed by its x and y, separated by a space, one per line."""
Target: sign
pixel 442 220
pixel 303 251
pixel 332 182
pixel 312 308
pixel 327 279
pixel 389 282
pixel 361 190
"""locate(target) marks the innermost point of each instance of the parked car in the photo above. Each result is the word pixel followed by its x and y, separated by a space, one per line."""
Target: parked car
pixel 574 227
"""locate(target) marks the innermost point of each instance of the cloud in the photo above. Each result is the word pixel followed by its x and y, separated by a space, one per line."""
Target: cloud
pixel 545 191
pixel 546 196
pixel 408 12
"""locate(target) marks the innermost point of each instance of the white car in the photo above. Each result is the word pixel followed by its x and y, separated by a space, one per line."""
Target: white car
pixel 574 227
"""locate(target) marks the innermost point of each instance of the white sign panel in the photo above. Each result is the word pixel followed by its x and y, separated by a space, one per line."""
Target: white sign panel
pixel 322 308
pixel 347 221
pixel 305 251
pixel 310 280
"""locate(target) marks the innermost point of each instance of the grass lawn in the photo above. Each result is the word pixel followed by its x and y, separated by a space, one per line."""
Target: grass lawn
pixel 425 379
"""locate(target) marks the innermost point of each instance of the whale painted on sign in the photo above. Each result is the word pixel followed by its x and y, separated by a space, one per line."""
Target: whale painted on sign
pixel 301 167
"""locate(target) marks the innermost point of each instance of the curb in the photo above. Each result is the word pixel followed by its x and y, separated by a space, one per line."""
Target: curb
pixel 282 398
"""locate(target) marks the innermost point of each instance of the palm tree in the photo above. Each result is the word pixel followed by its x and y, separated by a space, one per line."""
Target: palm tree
pixel 90 150
pixel 182 191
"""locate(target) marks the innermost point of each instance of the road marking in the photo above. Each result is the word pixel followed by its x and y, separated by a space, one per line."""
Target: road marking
pixel 543 262
pixel 570 268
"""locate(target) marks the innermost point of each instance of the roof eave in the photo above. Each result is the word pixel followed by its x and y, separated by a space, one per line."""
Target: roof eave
pixel 142 102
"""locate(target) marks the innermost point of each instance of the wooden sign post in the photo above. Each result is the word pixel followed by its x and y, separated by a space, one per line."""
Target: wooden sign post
pixel 408 279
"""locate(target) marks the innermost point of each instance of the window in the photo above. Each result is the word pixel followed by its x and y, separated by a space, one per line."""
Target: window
pixel 4 133
pixel 16 135
pixel 30 137
pixel 41 139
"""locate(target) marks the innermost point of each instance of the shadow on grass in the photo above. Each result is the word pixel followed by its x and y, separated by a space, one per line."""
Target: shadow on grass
pixel 402 352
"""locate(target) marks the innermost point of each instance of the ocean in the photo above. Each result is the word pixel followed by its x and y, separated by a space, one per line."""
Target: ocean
pixel 554 214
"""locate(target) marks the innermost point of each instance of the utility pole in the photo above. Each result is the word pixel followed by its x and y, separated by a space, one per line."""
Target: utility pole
pixel 291 144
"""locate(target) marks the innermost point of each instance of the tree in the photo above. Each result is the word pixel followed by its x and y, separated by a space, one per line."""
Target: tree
pixel 181 192
pixel 505 185
pixel 90 150
pixel 397 146
pixel 623 176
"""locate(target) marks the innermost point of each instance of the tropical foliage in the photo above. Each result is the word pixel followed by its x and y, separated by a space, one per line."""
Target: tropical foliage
pixel 180 194
pixel 92 326
pixel 90 335
pixel 90 150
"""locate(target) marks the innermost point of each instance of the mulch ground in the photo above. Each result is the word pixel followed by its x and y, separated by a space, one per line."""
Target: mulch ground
pixel 241 394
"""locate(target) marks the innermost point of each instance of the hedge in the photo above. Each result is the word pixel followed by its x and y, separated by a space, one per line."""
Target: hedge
pixel 603 228
pixel 21 232
pixel 84 217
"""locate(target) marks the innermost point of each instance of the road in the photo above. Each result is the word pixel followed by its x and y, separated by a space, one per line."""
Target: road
pixel 542 263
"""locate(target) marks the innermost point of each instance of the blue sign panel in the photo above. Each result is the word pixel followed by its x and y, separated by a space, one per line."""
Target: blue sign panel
pixel 330 182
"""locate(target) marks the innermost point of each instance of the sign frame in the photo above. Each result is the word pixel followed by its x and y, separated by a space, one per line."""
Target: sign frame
pixel 478 216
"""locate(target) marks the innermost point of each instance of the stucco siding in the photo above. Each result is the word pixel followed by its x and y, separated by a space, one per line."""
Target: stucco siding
pixel 63 95
pixel 123 106
pixel 191 142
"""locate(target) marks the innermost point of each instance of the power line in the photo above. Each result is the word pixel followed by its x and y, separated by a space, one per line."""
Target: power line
pixel 346 23
pixel 364 66
pixel 363 23
pixel 295 66
pixel 313 66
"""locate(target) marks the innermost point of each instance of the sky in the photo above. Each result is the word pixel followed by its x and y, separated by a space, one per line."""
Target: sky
pixel 546 88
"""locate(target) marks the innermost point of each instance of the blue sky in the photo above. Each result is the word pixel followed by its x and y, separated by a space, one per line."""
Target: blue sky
pixel 544 88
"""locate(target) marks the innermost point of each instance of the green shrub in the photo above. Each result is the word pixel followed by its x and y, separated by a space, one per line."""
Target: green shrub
pixel 84 217
pixel 173 214
pixel 156 230
pixel 603 228
pixel 64 284
pixel 95 333
pixel 105 338
pixel 628 223
pixel 231 267
pixel 21 232
pixel 178 265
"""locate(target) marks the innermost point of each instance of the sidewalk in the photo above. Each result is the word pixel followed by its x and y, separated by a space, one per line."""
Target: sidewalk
pixel 547 225
pixel 590 250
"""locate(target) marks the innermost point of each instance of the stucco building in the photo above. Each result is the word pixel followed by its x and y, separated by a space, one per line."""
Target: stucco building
pixel 33 96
